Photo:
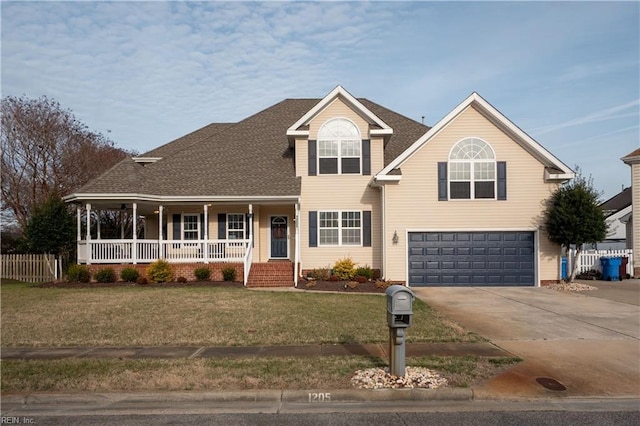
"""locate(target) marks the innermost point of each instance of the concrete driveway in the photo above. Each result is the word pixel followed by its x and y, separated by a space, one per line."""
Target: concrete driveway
pixel 572 344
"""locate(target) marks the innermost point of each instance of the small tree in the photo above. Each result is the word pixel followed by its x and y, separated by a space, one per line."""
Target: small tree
pixel 573 216
pixel 51 229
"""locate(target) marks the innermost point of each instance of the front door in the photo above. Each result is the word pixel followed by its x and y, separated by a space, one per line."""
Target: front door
pixel 279 237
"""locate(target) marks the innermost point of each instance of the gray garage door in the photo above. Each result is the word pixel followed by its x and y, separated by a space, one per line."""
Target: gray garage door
pixel 471 259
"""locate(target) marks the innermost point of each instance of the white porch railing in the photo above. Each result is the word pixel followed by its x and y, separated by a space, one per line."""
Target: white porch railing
pixel 248 260
pixel 174 251
pixel 590 259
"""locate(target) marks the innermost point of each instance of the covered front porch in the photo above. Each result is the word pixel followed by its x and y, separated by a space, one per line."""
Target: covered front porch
pixel 189 233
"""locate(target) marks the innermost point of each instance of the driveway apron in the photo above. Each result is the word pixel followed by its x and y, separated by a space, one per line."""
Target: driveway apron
pixel 572 345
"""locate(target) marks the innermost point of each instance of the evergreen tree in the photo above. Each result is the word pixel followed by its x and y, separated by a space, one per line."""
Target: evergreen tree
pixel 573 216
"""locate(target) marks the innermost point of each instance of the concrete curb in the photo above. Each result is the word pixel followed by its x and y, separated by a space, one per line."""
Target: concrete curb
pixel 105 399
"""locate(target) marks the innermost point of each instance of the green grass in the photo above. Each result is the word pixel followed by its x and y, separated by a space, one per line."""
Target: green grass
pixel 203 316
pixel 75 375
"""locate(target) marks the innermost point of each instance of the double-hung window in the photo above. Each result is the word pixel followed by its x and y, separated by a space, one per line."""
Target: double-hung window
pixel 235 226
pixel 190 227
pixel 472 170
pixel 340 228
pixel 339 147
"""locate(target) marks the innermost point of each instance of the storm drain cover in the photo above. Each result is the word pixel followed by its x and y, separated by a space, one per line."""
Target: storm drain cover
pixel 551 384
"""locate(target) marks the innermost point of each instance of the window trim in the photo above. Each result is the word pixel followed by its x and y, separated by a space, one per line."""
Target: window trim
pixel 197 230
pixel 229 230
pixel 341 228
pixel 340 141
pixel 472 168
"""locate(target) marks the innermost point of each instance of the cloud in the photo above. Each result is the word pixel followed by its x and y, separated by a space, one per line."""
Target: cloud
pixel 602 115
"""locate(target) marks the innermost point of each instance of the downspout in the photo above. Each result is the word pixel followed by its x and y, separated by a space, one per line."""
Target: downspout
pixel 296 255
pixel 384 233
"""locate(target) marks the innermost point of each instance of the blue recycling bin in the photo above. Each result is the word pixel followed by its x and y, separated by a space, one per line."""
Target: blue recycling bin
pixel 610 268
pixel 564 268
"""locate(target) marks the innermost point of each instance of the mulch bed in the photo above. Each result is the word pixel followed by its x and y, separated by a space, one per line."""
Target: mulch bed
pixel 338 286
pixel 64 284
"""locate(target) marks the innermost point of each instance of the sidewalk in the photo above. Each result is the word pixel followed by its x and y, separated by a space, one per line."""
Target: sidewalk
pixel 484 349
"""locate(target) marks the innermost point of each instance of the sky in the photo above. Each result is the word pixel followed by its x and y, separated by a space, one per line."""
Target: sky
pixel 145 73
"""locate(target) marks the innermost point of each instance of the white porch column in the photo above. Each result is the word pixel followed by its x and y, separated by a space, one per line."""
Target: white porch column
pixel 98 214
pixel 251 223
pixel 79 222
pixel 160 245
pixel 134 250
pixel 88 209
pixel 205 233
pixel 296 255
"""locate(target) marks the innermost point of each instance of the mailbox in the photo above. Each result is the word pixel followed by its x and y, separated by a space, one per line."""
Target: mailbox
pixel 399 306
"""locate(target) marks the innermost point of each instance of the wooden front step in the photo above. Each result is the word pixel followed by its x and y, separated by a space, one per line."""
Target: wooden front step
pixel 271 274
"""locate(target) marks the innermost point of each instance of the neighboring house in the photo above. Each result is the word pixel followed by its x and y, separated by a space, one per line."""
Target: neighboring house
pixel 307 182
pixel 633 227
pixel 617 211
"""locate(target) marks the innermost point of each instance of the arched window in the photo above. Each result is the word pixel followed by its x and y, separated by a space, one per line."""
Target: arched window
pixel 339 147
pixel 472 170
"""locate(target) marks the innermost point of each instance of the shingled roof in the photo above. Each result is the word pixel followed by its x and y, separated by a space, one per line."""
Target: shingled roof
pixel 248 158
pixel 618 202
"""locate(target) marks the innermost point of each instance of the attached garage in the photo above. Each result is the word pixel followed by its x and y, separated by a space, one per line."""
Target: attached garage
pixel 471 258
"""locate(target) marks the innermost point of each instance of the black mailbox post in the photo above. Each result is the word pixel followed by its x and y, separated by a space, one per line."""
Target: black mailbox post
pixel 399 316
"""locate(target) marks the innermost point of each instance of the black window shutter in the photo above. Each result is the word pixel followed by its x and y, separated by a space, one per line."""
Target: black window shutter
pixel 222 226
pixel 246 226
pixel 202 225
pixel 502 180
pixel 312 158
pixel 177 235
pixel 366 156
pixel 313 229
pixel 366 228
pixel 442 181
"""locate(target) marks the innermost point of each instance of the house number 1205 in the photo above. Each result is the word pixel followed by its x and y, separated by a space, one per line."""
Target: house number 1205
pixel 319 397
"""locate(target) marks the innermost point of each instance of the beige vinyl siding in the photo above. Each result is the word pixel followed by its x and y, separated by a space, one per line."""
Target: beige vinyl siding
pixel 264 228
pixel 413 204
pixel 328 193
pixel 339 192
pixel 635 201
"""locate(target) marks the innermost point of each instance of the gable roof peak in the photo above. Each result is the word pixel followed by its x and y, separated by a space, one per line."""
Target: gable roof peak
pixel 380 128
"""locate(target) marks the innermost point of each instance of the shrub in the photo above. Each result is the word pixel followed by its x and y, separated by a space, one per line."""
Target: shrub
pixel 105 275
pixel 181 280
pixel 229 273
pixel 361 279
pixel 334 278
pixel 79 273
pixel 202 274
pixel 382 284
pixel 364 271
pixel 129 274
pixel 142 281
pixel 160 272
pixel 351 284
pixel 344 268
pixel 321 274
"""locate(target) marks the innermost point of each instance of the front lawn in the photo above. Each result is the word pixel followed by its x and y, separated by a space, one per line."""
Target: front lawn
pixel 203 316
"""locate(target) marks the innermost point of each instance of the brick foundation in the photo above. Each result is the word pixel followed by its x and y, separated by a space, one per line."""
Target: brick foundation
pixel 179 269
pixel 544 283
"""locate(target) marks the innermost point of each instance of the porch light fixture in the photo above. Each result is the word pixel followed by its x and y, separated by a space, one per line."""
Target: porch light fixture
pixel 395 237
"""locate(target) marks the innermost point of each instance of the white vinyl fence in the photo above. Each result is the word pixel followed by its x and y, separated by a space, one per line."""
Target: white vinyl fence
pixel 30 268
pixel 590 259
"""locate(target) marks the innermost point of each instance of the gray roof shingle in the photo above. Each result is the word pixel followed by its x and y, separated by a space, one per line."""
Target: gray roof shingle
pixel 248 158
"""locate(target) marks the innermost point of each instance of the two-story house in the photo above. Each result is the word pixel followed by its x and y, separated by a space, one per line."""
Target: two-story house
pixel 307 182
